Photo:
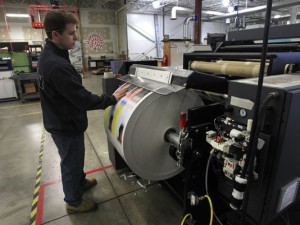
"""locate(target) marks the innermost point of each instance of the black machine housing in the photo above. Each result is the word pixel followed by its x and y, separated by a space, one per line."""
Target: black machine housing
pixel 278 162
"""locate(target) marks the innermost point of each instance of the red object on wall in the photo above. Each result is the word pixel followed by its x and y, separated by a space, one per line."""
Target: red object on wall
pixel 35 10
pixel 165 60
pixel 37 25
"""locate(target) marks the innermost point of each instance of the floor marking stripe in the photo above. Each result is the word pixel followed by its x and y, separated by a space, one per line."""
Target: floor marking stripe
pixel 36 190
pixel 36 193
pixel 17 106
pixel 99 169
pixel 40 203
pixel 33 213
pixel 35 200
pixel 26 114
pixel 38 180
pixel 39 172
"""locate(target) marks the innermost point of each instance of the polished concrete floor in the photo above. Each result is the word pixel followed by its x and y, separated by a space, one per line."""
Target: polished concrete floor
pixel 121 199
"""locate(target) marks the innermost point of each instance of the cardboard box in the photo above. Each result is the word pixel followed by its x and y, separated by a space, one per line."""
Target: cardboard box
pixel 29 88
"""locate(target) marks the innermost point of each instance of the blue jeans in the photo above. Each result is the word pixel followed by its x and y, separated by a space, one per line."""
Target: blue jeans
pixel 71 150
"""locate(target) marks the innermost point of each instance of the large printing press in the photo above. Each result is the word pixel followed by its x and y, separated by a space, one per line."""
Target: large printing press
pixel 190 129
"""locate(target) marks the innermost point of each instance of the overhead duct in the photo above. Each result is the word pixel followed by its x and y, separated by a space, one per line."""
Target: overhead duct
pixel 252 10
pixel 186 33
pixel 177 8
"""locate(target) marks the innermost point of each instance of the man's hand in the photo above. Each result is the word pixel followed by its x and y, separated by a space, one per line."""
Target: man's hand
pixel 121 91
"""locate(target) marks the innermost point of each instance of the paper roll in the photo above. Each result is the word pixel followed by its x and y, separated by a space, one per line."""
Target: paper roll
pixel 136 126
pixel 234 68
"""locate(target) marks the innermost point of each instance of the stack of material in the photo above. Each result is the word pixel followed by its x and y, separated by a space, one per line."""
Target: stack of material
pixel 99 71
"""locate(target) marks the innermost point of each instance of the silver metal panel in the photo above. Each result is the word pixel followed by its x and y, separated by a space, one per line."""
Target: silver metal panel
pixel 154 86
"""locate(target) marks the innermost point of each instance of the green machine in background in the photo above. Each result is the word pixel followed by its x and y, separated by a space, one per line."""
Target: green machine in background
pixel 21 61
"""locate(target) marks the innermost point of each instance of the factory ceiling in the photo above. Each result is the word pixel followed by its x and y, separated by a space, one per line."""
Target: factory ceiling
pixel 212 10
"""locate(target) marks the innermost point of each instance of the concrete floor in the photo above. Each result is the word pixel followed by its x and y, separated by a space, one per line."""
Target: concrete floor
pixel 121 200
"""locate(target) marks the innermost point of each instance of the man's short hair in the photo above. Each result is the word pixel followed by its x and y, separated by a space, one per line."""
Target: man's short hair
pixel 57 20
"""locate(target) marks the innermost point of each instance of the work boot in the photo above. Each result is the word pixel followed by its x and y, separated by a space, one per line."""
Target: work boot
pixel 84 206
pixel 89 184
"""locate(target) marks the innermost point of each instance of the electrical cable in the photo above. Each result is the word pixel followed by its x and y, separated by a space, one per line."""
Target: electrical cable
pixel 212 213
pixel 206 185
pixel 253 142
pixel 210 206
pixel 185 217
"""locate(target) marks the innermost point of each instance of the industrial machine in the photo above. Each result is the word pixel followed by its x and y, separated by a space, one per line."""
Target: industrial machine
pixel 198 141
pixel 274 171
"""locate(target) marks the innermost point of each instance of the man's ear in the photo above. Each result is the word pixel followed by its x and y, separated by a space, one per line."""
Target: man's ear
pixel 54 35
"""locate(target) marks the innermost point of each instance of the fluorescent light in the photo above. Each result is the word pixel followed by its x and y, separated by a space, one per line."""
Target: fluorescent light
pixel 213 13
pixel 17 15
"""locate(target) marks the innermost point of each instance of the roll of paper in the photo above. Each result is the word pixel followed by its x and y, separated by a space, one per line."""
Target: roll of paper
pixel 136 126
pixel 231 68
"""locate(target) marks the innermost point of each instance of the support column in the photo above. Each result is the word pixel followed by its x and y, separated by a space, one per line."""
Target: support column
pixel 293 12
pixel 198 12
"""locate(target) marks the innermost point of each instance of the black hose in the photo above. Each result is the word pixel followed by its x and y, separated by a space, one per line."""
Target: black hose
pixel 253 141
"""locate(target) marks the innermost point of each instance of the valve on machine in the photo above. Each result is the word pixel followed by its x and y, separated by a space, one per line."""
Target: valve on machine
pixel 180 142
pixel 182 120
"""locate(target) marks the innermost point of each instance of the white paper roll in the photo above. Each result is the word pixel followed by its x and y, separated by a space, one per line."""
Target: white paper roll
pixel 136 126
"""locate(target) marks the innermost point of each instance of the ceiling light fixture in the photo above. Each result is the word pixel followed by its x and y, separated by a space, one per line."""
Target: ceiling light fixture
pixel 156 4
pixel 17 15
pixel 226 3
pixel 215 13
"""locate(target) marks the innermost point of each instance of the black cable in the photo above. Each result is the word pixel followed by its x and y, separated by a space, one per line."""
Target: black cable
pixel 253 142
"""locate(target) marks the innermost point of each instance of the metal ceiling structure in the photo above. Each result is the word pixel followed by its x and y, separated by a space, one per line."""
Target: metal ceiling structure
pixel 210 8
pixel 93 4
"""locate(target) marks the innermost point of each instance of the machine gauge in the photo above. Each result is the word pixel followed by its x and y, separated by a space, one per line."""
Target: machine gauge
pixel 243 112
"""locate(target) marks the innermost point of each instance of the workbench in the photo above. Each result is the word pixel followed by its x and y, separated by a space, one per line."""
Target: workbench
pixel 27 78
